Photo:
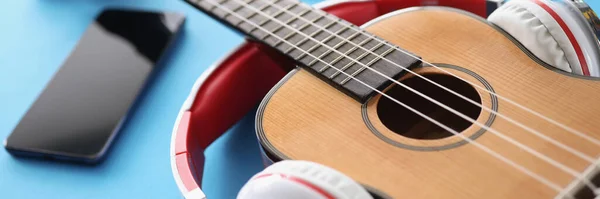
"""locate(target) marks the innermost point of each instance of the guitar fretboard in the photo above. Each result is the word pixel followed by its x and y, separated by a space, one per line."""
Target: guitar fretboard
pixel 334 50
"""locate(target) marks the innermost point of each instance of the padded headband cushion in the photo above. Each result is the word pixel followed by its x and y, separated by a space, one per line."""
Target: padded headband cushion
pixel 539 32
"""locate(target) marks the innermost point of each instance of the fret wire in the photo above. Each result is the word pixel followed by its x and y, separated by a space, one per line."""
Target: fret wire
pixel 306 38
pixel 309 36
pixel 234 10
pixel 346 54
pixel 306 25
pixel 287 21
pixel 273 31
pixel 238 8
pixel 292 18
pixel 274 2
pixel 378 57
pixel 316 32
pixel 330 23
pixel 248 21
pixel 286 51
pixel 313 55
pixel 281 11
pixel 249 2
pixel 359 58
pixel 285 37
pixel 292 32
pixel 261 8
pixel 301 14
pixel 308 51
pixel 317 42
pixel 320 43
pixel 276 29
pixel 263 37
pixel 218 3
pixel 264 22
pixel 325 40
pixel 334 47
pixel 304 12
pixel 346 40
pixel 309 23
pixel 284 10
pixel 388 51
pixel 220 6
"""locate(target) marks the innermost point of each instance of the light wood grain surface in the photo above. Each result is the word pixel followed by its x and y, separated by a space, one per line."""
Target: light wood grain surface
pixel 309 120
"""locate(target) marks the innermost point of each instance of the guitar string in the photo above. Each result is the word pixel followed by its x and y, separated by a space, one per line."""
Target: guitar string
pixel 537 133
pixel 512 141
pixel 521 168
pixel 371 36
pixel 550 120
pixel 521 125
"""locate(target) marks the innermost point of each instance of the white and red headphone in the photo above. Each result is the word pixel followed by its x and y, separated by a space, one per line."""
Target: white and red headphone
pixel 562 33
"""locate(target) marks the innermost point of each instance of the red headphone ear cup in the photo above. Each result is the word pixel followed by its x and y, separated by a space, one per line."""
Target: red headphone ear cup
pixel 302 179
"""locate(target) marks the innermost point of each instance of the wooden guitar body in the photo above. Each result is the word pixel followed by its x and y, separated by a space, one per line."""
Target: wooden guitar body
pixel 305 118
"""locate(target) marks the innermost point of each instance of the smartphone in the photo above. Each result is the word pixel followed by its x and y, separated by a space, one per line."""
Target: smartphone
pixel 82 108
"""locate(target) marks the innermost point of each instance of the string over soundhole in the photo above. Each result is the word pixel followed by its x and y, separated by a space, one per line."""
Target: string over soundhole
pixel 412 125
pixel 387 119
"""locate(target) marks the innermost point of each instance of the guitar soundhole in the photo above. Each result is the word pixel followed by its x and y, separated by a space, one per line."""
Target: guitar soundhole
pixel 409 124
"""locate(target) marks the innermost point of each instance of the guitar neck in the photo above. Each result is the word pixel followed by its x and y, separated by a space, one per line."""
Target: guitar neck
pixel 334 50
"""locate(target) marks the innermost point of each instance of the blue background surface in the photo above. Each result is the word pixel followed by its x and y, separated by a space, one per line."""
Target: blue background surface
pixel 35 38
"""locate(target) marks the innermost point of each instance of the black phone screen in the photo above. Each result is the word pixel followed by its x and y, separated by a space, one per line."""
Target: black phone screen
pixel 82 107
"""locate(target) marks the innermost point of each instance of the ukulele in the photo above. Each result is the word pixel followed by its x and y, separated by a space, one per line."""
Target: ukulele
pixel 422 103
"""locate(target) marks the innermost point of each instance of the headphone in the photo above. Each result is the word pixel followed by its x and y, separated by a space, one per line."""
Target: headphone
pixel 562 33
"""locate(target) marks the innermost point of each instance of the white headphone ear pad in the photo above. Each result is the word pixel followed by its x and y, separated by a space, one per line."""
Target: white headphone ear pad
pixel 334 183
pixel 537 30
